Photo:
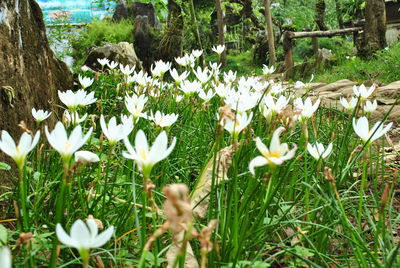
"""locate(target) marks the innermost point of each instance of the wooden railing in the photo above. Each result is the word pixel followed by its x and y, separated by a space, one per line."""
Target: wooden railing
pixel 289 36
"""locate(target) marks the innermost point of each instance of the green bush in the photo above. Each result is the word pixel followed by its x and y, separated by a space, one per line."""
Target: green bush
pixel 99 33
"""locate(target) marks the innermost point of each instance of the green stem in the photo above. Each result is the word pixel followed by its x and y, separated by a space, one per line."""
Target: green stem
pixel 59 213
pixel 361 194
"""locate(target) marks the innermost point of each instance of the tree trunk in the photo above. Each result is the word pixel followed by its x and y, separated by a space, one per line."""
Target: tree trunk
pixel 320 7
pixel 339 14
pixel 270 31
pixel 374 35
pixel 221 35
pixel 195 29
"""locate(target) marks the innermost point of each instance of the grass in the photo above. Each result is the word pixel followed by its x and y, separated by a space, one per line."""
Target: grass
pixel 293 214
pixel 382 67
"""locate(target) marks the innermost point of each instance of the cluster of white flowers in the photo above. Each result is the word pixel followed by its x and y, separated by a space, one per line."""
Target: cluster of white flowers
pixel 242 95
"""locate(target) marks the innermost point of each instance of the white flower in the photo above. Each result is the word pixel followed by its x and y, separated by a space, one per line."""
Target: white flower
pixel 160 68
pixel 234 127
pixel 370 106
pixel 268 70
pixel 72 118
pixel 361 127
pixel 222 90
pixel 64 145
pixel 163 120
pixel 307 109
pixel 179 78
pixel 299 84
pixel 114 132
pixel 112 65
pixel 135 105
pixel 178 98
pixel 188 87
pixel 349 105
pixel 277 106
pixel 146 157
pixel 103 61
pixel 40 115
pixel 73 100
pixel 276 89
pixel 85 81
pixel 86 157
pixel 202 75
pixel 84 236
pixel 362 91
pixel 126 70
pixel 197 53
pixel 230 77
pixel 20 151
pixel 187 60
pixel 318 150
pixel 85 68
pixel 218 49
pixel 5 258
pixel 275 155
pixel 206 96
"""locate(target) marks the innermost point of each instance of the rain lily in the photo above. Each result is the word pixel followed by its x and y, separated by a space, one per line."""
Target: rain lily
pixel 160 68
pixel 179 77
pixel 190 88
pixel 218 49
pixel 230 77
pixel 72 118
pixel 349 105
pixel 64 145
pixel 86 157
pixel 277 89
pixel 234 127
pixel 268 70
pixel 83 236
pixel 112 65
pixel 74 99
pixel 275 155
pixel 202 75
pixel 85 81
pixel 307 109
pixel 5 258
pixel 163 120
pixel 103 62
pixel 277 106
pixel 197 53
pixel 114 132
pixel 40 115
pixel 361 127
pixel 370 106
pixel 222 90
pixel 299 84
pixel 135 105
pixel 126 70
pixel 362 92
pixel 318 150
pixel 146 157
pixel 206 96
pixel 18 152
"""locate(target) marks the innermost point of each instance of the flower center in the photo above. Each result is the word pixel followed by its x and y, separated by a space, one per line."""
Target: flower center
pixel 143 154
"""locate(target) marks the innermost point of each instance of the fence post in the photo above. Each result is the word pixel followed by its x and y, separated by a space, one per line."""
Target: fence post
pixel 287 48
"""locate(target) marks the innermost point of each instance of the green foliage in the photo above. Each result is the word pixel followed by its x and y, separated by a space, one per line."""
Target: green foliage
pixel 383 67
pixel 99 33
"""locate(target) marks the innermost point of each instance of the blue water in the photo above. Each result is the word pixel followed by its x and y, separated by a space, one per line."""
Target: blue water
pixel 74 11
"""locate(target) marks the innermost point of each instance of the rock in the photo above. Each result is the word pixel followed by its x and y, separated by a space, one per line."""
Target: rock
pixel 132 10
pixel 324 58
pixel 123 53
pixel 30 74
pixel 336 86
pixel 388 94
